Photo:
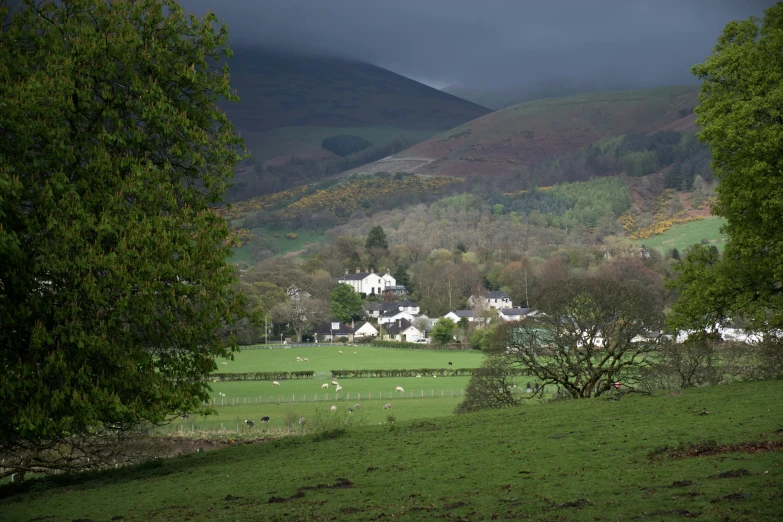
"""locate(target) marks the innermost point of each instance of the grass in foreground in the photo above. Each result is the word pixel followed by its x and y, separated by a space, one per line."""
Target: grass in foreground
pixel 575 460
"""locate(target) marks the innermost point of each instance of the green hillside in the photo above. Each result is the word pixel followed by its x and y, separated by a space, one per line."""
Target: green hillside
pixel 684 235
pixel 712 453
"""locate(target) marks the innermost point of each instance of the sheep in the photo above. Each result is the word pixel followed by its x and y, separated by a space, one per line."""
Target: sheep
pixel 399 389
pixel 306 359
pixel 357 406
pixel 340 352
pixel 339 388
pixel 387 406
pixel 335 383
pixel 275 383
pixel 298 359
pixel 324 385
pixel 264 419
pixel 250 423
pixel 334 408
pixel 354 353
pixel 350 410
pixel 224 362
pixel 302 420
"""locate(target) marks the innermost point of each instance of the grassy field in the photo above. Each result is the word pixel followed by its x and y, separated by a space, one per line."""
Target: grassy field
pixel 712 453
pixel 278 245
pixel 324 357
pixel 684 235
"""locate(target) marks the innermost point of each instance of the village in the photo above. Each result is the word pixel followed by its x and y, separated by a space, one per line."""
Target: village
pixel 389 315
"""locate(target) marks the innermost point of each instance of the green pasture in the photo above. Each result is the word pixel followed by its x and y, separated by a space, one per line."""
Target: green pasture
pixel 283 418
pixel 305 390
pixel 287 140
pixel 278 245
pixel 325 357
pixel 686 234
pixel 712 453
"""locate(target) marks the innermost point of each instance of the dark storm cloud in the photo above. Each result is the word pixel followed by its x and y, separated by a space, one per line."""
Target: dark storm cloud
pixel 496 42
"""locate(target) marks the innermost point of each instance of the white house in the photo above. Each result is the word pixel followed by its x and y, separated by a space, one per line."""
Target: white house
pixel 406 305
pixel 456 315
pixel 390 317
pixel 368 282
pixel 403 330
pixel 513 314
pixel 365 329
pixel 494 300
pixel 377 309
pixel 332 331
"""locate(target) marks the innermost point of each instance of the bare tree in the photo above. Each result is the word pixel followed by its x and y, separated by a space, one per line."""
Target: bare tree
pixel 301 313
pixel 588 334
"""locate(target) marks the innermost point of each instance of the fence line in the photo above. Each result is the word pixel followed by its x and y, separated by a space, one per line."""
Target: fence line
pixel 326 397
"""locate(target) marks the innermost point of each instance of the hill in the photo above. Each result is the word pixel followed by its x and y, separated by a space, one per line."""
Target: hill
pixel 710 452
pixel 291 102
pixel 526 135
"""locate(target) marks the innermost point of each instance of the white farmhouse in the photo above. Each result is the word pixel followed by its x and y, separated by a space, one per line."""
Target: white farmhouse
pixel 368 282
pixel 496 300
pixel 513 314
pixel 404 331
pixel 365 329
pixel 391 317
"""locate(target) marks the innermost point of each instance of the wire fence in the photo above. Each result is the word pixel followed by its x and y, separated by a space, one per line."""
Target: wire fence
pixel 326 397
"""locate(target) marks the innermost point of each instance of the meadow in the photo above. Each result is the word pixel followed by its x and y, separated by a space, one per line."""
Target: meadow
pixel 325 357
pixel 280 245
pixel 684 235
pixel 712 453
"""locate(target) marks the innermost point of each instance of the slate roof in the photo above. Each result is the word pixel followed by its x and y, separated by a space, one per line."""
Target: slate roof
pixel 407 303
pixel 515 311
pixel 462 313
pixel 362 323
pixel 381 307
pixel 392 313
pixel 355 277
pixel 326 328
pixel 399 327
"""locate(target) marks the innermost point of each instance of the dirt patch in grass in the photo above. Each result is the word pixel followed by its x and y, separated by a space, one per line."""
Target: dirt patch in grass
pixel 453 505
pixel 734 497
pixel 735 473
pixel 576 504
pixel 681 484
pixel 341 483
pixel 669 512
pixel 707 448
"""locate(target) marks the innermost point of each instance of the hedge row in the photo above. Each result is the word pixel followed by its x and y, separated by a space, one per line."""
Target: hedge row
pixel 419 346
pixel 413 372
pixel 262 376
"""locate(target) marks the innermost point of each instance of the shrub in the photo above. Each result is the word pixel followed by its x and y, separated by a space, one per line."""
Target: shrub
pixel 345 144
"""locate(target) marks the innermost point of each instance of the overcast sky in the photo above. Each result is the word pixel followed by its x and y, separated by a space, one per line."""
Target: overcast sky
pixel 496 42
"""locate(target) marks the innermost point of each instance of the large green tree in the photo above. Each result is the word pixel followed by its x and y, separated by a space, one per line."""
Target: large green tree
pixel 346 303
pixel 376 240
pixel 113 282
pixel 741 116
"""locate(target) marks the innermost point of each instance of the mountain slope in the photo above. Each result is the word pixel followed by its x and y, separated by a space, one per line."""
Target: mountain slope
pixel 281 90
pixel 527 134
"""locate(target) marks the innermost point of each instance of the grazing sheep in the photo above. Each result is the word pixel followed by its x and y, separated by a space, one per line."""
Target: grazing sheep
pixel 387 406
pixel 399 389
pixel 340 352
pixel 357 406
pixel 339 388
pixel 350 410
pixel 275 383
pixel 418 375
pixel 325 385
pixel 224 362
pixel 306 359
pixel 301 421
pixel 335 383
pixel 334 408
pixel 354 353
pixel 250 423
pixel 186 416
pixel 264 419
pixel 298 359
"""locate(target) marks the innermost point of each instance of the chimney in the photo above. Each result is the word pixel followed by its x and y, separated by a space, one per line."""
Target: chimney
pixel 346 271
pixel 358 270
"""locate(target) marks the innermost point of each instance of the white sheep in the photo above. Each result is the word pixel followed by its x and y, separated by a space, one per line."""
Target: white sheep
pixel 340 352
pixel 306 359
pixel 298 359
pixel 357 406
pixel 339 388
pixel 399 389
pixel 354 353
pixel 335 383
pixel 224 362
pixel 387 406
pixel 334 408
pixel 275 383
pixel 324 385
